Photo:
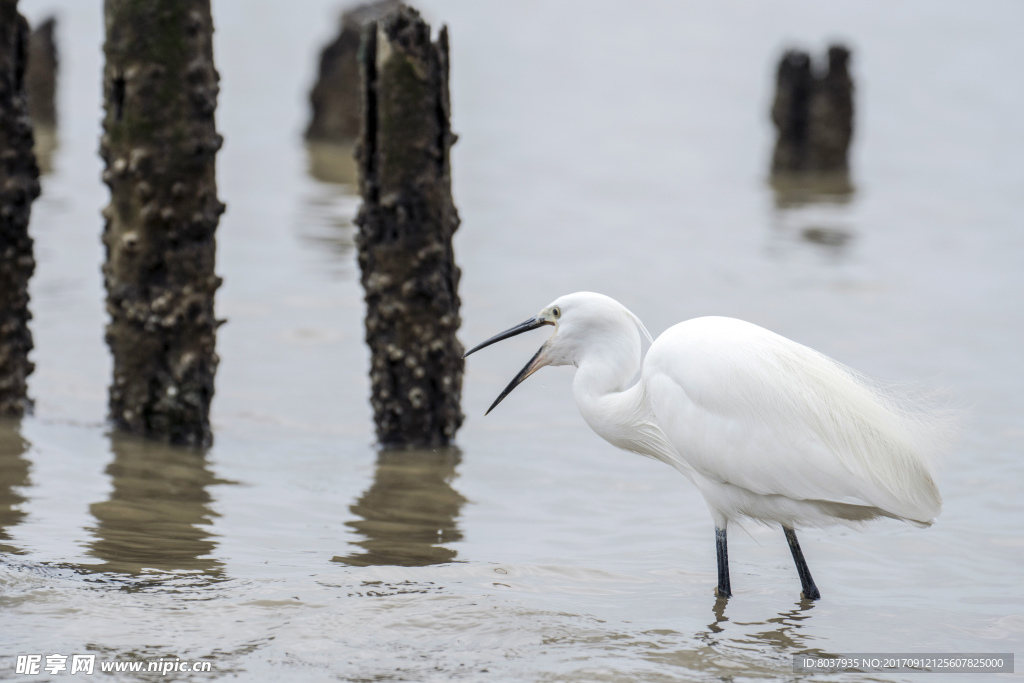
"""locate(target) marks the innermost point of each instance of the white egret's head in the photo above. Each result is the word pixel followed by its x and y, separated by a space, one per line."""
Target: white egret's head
pixel 583 321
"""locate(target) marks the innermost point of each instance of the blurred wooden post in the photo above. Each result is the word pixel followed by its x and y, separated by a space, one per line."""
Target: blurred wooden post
pixel 160 94
pixel 831 113
pixel 19 185
pixel 791 111
pixel 336 99
pixel 41 75
pixel 813 114
pixel 41 90
pixel 406 223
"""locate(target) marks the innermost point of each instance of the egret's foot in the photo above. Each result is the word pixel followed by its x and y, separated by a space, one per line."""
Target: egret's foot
pixel 810 591
pixel 814 594
pixel 719 593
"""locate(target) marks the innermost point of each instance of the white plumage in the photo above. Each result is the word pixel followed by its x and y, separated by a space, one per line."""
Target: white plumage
pixel 762 416
pixel 765 428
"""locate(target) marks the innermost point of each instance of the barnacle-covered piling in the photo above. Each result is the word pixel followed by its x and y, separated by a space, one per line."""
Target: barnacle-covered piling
pixel 19 186
pixel 406 224
pixel 159 145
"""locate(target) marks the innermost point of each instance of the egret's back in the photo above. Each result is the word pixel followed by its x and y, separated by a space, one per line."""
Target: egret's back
pixel 747 408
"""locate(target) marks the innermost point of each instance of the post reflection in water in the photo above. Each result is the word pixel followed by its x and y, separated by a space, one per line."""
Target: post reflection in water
pixel 159 513
pixel 409 512
pixel 814 208
pixel 334 163
pixel 14 470
pixel 45 148
pixel 330 204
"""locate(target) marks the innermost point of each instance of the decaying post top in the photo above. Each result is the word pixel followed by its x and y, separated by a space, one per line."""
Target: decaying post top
pixel 406 222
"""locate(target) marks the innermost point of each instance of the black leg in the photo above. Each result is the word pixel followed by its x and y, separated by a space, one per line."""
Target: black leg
pixel 724 590
pixel 810 591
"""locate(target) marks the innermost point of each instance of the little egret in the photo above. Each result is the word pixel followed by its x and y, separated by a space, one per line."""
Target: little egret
pixel 765 428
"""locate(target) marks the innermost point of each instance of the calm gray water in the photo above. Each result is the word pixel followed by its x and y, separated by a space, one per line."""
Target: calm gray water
pixel 621 149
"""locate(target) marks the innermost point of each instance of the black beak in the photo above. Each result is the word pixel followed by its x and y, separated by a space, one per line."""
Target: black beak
pixel 529 368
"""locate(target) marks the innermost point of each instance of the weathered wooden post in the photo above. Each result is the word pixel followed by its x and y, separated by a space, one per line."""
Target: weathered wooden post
pixel 160 141
pixel 19 185
pixel 813 114
pixel 406 223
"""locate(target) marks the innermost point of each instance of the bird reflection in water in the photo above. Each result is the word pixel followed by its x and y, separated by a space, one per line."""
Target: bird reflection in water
pixel 409 513
pixel 159 513
pixel 14 469
pixel 784 635
pixel 814 208
pixel 719 611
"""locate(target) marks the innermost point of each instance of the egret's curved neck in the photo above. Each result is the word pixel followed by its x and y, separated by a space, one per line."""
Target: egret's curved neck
pixel 608 370
pixel 605 393
pixel 611 403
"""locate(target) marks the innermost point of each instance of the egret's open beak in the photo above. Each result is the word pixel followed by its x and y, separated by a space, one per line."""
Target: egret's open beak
pixel 530 368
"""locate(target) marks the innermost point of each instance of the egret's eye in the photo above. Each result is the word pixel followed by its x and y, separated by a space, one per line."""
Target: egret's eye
pixel 556 311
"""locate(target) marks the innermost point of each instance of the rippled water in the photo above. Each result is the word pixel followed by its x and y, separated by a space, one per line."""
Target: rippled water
pixel 620 149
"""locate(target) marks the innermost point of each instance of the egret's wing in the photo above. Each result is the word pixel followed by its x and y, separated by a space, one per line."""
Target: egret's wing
pixel 744 406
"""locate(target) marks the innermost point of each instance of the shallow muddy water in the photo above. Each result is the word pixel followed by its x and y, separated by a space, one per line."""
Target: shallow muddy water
pixel 621 150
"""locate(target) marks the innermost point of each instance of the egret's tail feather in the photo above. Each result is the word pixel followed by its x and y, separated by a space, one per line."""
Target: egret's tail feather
pixel 888 434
